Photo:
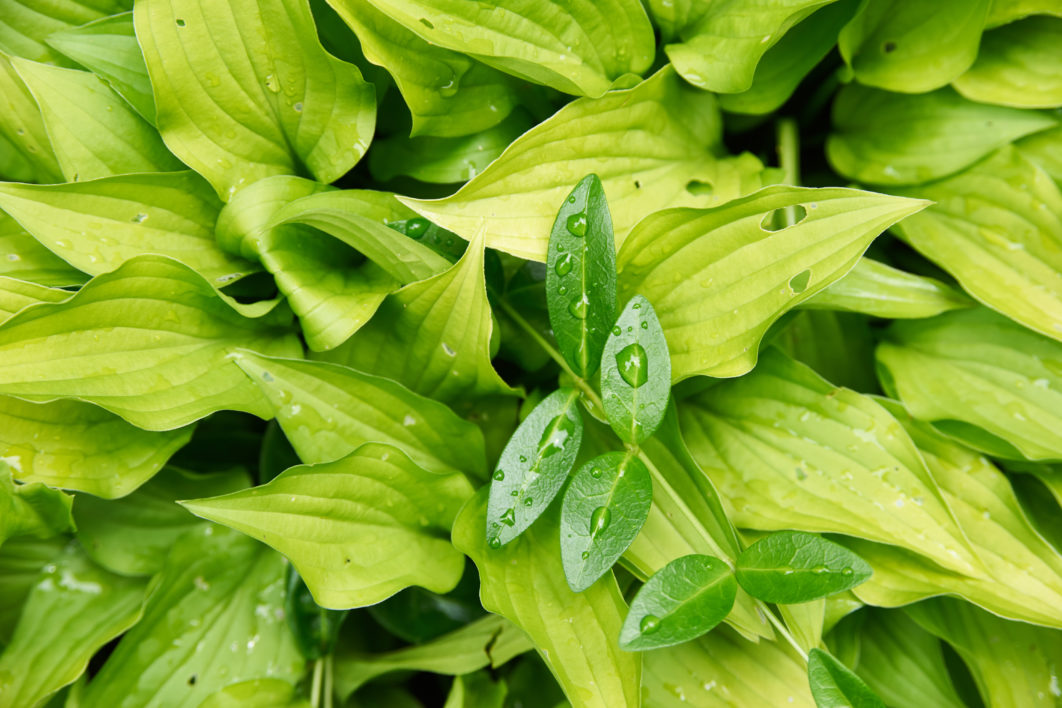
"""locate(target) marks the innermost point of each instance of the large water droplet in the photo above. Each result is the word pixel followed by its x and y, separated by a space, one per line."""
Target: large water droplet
pixel 555 436
pixel 586 554
pixel 579 307
pixel 509 517
pixel 499 476
pixel 564 265
pixel 595 472
pixel 494 542
pixel 529 501
pixel 846 571
pixel 633 364
pixel 416 228
pixel 649 624
pixel 577 224
pixel 600 519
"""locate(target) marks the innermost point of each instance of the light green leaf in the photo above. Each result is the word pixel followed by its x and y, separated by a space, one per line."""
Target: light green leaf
pixel 31 509
pixel 21 562
pixel 805 621
pixel 1017 65
pixel 577 46
pixel 244 90
pixel 327 411
pixel 22 127
pixel 448 93
pixel 149 341
pixel 1013 663
pixel 215 617
pixel 28 22
pixel 790 567
pixel 1045 149
pixel 477 690
pixel 720 50
pixel 835 686
pixel 433 336
pixel 107 47
pixel 96 226
pixel 886 138
pixel 256 693
pixel 74 445
pixel 358 529
pixel 880 290
pixel 93 131
pixel 23 257
pixel 671 134
pixel 131 536
pixel 72 611
pixel 997 227
pixel 714 313
pixel 911 46
pixel 973 370
pixel 636 373
pixel 575 633
pixel 16 295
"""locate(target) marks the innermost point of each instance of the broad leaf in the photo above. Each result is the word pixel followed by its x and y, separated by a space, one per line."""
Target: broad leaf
pixel 21 562
pixel 244 90
pixel 22 128
pixel 74 445
pixel 790 567
pixel 215 617
pixel 534 466
pixel 256 693
pixel 716 297
pixel 603 510
pixel 23 257
pixel 478 690
pixel 74 608
pixel 314 627
pixel 149 341
pixel 17 295
pixel 636 373
pixel 575 633
pixel 1017 65
pixel 577 46
pixel 886 138
pixel 835 686
pixel 581 276
pixel 31 509
pixel 681 601
pixel 358 529
pixel 27 23
pixel 838 346
pixel 1045 149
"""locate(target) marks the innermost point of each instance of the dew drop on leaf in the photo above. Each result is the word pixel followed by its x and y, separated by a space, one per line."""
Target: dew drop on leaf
pixel 509 517
pixel 555 436
pixel 499 476
pixel 586 554
pixel 494 542
pixel 416 228
pixel 600 519
pixel 578 307
pixel 633 365
pixel 577 224
pixel 564 265
pixel 649 624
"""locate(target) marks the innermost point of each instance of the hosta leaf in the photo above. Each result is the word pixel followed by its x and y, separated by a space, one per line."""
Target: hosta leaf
pixel 22 127
pixel 96 226
pixel 256 693
pixel 835 686
pixel 131 536
pixel 16 295
pixel 93 131
pixel 149 341
pixel 997 227
pixel 974 372
pixel 636 373
pixel 662 161
pixel 215 617
pixel 680 602
pixel 790 451
pixel 577 47
pixel 876 289
pixel 433 336
pixel 72 611
pixel 31 509
pixel 448 94
pixel 315 628
pixel 720 50
pixel 716 297
pixel 534 466
pixel 1017 66
pixel 912 47
pixel 245 90
pixel 23 257
pixel 74 445
pixel 838 346
pixel 28 22
pixel 581 276
pixel 1045 149
pixel 885 138
pixel 107 47
pixel 575 633
pixel 21 562
pixel 327 411
pixel 477 690
pixel 358 529
pixel 790 567
pixel 603 510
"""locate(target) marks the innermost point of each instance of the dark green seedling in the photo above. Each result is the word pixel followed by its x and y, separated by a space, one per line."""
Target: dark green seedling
pixel 681 601
pixel 581 276
pixel 833 685
pixel 315 628
pixel 636 372
pixel 791 567
pixel 533 466
pixel 603 510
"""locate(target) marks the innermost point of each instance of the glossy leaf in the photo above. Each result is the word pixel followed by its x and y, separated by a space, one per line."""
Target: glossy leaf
pixel 245 91
pixel 534 466
pixel 581 276
pixel 21 561
pixel 603 510
pixel 835 686
pixel 477 690
pixel 17 295
pixel 161 364
pixel 23 257
pixel 838 346
pixel 31 509
pixel 27 23
pixel 256 693
pixel 790 567
pixel 575 633
pixel 22 128
pixel 1045 149
pixel 1017 65
pixel 712 312
pixel 887 138
pixel 358 529
pixel 636 373
pixel 683 600
pixel 315 628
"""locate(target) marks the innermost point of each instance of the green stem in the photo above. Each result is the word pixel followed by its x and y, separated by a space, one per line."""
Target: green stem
pixel 315 688
pixel 789 158
pixel 782 629
pixel 328 690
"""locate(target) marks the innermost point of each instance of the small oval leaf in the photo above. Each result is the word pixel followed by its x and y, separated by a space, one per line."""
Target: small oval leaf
pixel 790 567
pixel 636 372
pixel 603 510
pixel 833 685
pixel 533 466
pixel 581 276
pixel 683 600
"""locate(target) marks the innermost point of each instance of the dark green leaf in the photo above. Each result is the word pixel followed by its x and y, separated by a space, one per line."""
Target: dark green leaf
pixel 790 567
pixel 315 628
pixel 834 686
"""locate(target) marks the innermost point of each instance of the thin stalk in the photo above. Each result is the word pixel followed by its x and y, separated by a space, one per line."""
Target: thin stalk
pixel 789 158
pixel 328 690
pixel 782 629
pixel 315 688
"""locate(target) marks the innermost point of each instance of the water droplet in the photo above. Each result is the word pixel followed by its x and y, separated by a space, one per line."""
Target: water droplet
pixel 579 307
pixel 509 517
pixel 266 376
pixel 563 290
pixel 595 472
pixel 448 350
pixel 499 476
pixel 494 542
pixel 140 218
pixel 633 364
pixel 799 282
pixel 617 331
pixel 13 257
pixel 272 83
pixel 556 435
pixel 564 265
pixel 523 458
pixel 577 224
pixel 529 502
pixel 571 199
pixel 600 519
pixel 586 554
pixel 846 571
pixel 416 228
pixel 297 107
pixel 645 325
pixel 649 624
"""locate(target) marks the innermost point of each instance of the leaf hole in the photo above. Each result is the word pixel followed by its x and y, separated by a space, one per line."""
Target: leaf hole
pixel 637 184
pixel 424 21
pixel 799 282
pixel 192 679
pixel 181 23
pixel 777 220
pixel 700 189
pixel 888 47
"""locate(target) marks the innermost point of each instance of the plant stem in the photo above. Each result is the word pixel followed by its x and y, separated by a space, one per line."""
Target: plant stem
pixel 789 158
pixel 328 690
pixel 315 688
pixel 782 629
